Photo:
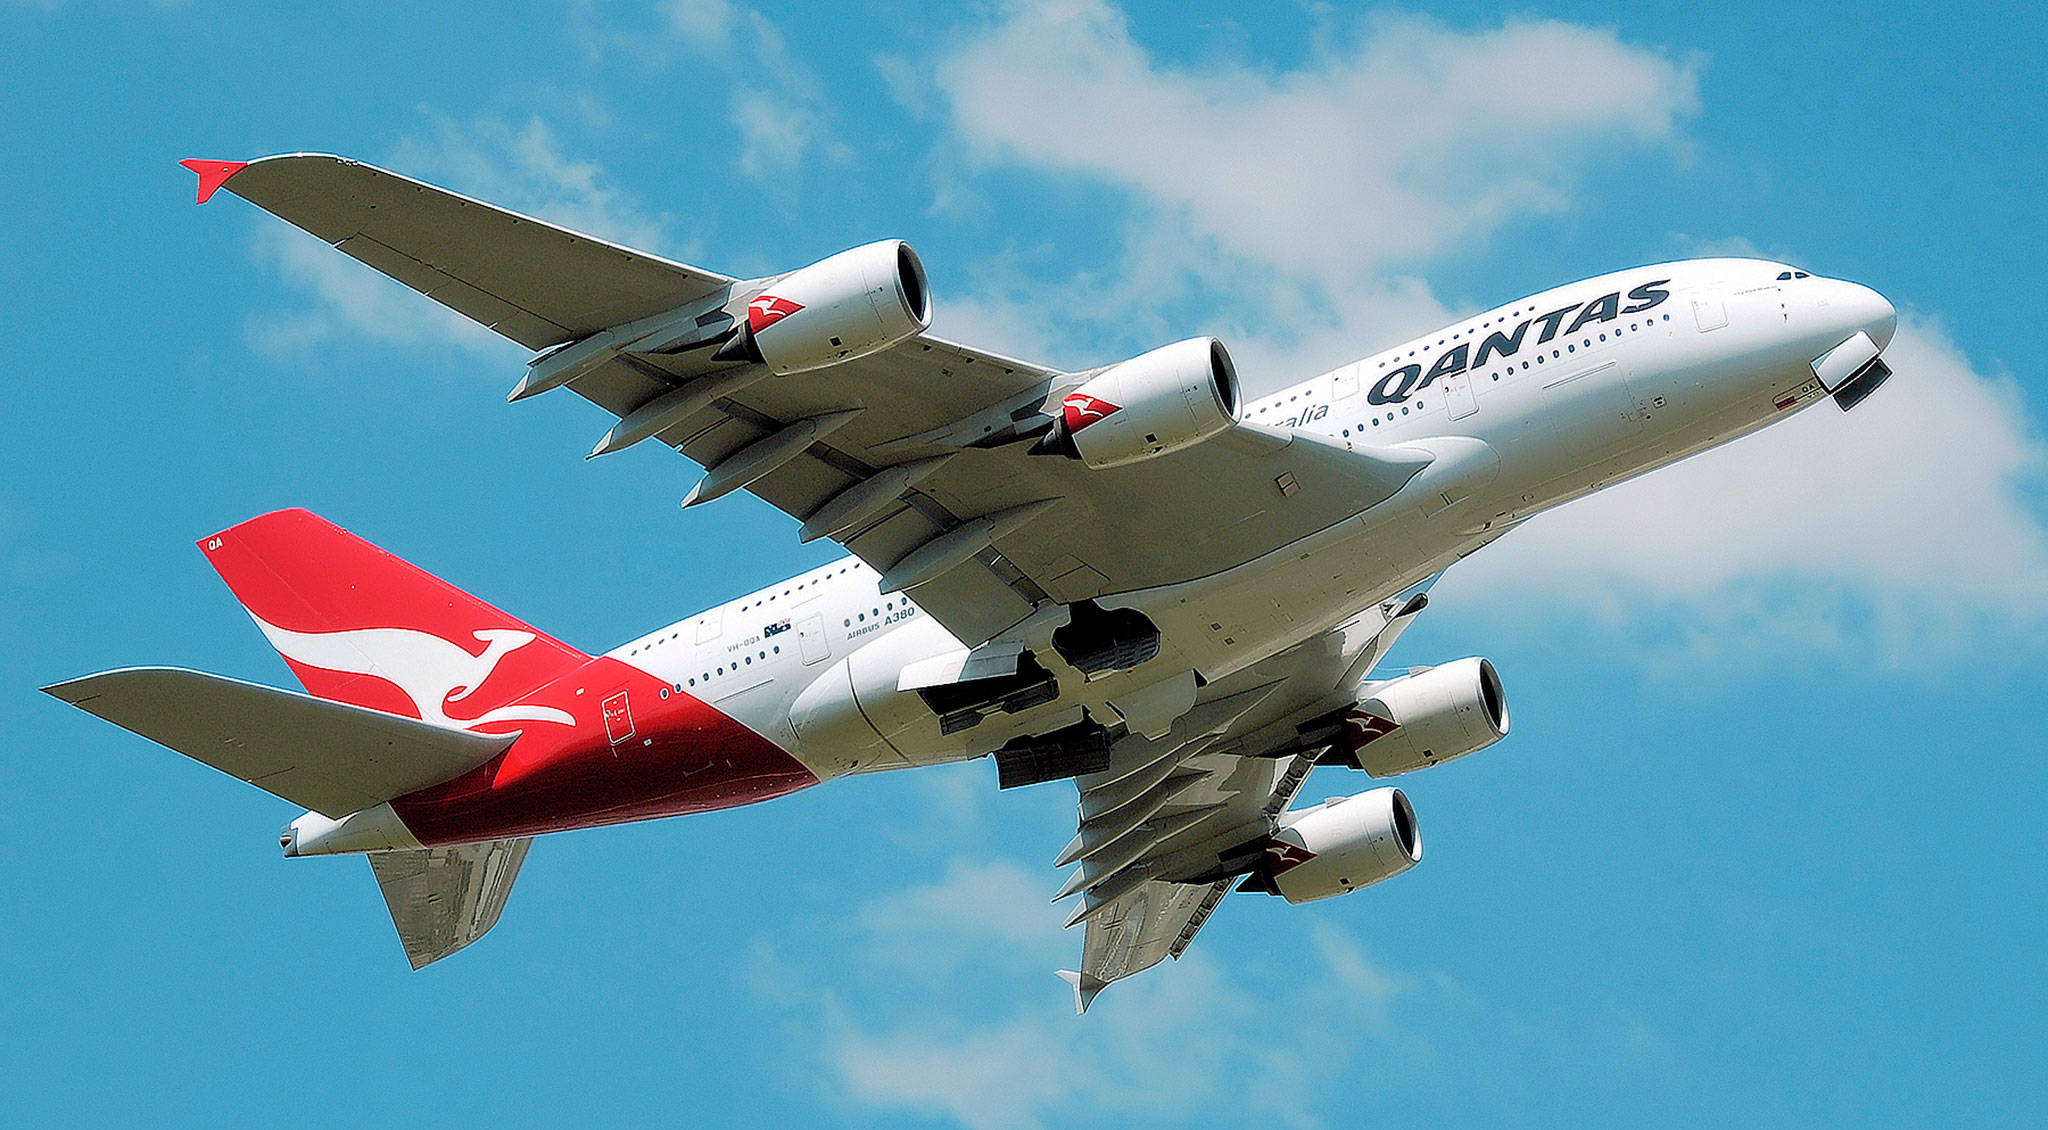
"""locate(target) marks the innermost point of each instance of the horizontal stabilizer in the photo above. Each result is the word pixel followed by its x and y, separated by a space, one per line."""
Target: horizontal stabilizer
pixel 442 899
pixel 327 756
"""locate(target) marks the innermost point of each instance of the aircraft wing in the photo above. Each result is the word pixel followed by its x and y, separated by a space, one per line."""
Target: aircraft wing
pixel 533 282
pixel 975 529
pixel 1173 822
pixel 1013 530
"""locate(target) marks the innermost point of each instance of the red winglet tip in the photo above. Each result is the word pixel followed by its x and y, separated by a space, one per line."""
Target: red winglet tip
pixel 213 174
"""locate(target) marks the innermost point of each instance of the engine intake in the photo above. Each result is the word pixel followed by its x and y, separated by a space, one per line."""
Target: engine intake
pixel 851 305
pixel 1173 397
pixel 1420 720
pixel 1339 846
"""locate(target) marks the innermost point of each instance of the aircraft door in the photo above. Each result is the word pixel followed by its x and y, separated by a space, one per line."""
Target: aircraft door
pixel 1458 395
pixel 811 641
pixel 1709 311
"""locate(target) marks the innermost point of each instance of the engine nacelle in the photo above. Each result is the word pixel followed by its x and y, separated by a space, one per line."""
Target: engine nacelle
pixel 853 304
pixel 1173 397
pixel 1340 846
pixel 1423 719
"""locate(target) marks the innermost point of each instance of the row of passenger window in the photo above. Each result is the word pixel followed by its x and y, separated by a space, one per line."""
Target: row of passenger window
pixel 734 668
pixel 762 603
pixel 1494 375
pixel 776 649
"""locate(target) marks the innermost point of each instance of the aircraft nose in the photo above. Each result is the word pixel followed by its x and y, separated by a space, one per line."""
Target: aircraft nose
pixel 1880 318
pixel 1858 307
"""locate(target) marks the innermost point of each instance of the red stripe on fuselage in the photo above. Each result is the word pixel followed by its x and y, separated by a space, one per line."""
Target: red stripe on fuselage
pixel 683 756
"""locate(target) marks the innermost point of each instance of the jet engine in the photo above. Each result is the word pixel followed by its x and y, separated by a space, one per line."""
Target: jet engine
pixel 853 304
pixel 1173 397
pixel 1420 720
pixel 1339 846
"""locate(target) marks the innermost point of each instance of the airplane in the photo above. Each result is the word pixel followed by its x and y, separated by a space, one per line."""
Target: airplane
pixel 1133 578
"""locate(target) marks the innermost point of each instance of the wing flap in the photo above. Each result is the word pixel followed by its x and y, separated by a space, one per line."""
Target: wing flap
pixel 442 899
pixel 327 756
pixel 531 281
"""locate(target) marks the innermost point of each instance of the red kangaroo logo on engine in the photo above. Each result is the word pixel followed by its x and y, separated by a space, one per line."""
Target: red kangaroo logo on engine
pixel 1365 727
pixel 767 310
pixel 1282 856
pixel 1081 410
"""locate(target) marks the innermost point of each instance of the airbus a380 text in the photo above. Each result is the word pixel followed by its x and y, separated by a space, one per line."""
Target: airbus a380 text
pixel 1128 577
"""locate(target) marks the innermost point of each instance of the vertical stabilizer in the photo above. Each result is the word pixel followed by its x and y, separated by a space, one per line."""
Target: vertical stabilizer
pixel 442 899
pixel 360 626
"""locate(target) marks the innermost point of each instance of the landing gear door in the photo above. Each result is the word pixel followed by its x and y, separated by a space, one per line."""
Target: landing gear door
pixel 810 640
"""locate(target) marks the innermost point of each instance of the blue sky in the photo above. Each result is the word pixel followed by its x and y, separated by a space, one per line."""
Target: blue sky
pixel 1765 845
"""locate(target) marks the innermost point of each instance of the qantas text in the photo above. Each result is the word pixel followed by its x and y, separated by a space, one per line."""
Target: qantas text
pixel 1406 381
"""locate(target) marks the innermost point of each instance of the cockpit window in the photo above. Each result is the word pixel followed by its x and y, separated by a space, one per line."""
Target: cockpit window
pixel 1784 275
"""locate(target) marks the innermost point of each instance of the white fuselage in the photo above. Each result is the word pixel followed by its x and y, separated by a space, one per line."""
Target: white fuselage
pixel 1523 407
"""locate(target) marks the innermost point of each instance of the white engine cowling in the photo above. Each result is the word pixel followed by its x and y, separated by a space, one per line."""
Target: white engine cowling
pixel 1173 397
pixel 1424 719
pixel 853 304
pixel 1342 845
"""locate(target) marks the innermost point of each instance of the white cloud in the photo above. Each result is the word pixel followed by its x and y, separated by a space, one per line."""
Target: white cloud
pixel 945 1007
pixel 999 901
pixel 1296 201
pixel 1003 1077
pixel 774 133
pixel 1386 151
pixel 980 1034
pixel 706 25
pixel 775 103
pixel 1902 528
pixel 523 167
pixel 1175 1043
pixel 1301 201
pixel 1368 990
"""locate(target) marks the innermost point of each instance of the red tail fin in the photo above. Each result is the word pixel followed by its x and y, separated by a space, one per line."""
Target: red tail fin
pixel 360 626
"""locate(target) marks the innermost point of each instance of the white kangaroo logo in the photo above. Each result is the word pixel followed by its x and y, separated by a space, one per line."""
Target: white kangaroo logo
pixel 430 670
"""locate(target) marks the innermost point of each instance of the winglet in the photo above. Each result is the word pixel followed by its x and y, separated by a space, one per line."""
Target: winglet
pixel 1085 988
pixel 212 174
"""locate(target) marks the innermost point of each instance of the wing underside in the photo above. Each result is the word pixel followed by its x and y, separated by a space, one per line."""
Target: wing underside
pixel 1168 827
pixel 536 283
